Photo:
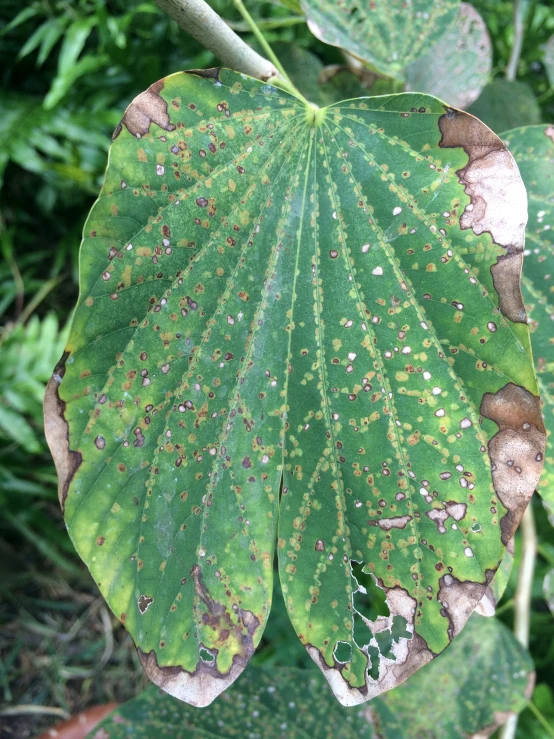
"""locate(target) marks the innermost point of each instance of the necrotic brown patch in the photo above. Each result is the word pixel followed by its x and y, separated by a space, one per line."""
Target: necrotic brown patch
pixel 516 451
pixel 498 201
pixel 148 107
pixel 144 602
pixel 56 431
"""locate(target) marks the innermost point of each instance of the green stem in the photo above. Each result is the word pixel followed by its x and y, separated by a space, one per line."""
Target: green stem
pixel 285 82
pixel 260 38
pixel 38 298
pixel 505 607
pixel 522 599
pixel 269 24
pixel 540 718
pixel 198 19
pixel 545 95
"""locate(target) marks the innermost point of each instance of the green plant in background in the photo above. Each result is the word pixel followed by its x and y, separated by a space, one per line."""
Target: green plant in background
pixel 287 703
pixel 221 605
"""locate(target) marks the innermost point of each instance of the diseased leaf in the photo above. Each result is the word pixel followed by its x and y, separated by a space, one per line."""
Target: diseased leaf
pixel 504 104
pixel 387 34
pixel 533 150
pixel 469 691
pixel 457 67
pixel 327 298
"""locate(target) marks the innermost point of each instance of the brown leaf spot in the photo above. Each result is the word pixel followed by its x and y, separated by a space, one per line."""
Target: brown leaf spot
pixel 516 452
pixel 56 431
pixel 396 522
pixel 456 510
pixel 458 600
pixel 144 602
pixel 148 107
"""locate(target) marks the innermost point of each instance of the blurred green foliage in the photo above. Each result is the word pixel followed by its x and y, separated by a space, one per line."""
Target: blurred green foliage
pixel 68 69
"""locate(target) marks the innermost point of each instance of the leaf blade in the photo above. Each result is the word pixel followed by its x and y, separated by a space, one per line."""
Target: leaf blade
pixel 220 269
pixel 458 65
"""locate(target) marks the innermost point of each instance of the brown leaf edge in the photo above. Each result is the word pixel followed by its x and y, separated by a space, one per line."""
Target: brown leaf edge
pixel 56 431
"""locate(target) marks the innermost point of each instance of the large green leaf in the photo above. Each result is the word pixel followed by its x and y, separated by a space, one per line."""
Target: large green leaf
pixel 533 149
pixel 326 299
pixel 504 104
pixel 457 67
pixel 388 34
pixel 468 691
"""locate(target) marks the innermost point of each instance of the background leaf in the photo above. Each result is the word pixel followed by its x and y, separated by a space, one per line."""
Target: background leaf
pixel 275 704
pixel 482 678
pixel 66 77
pixel 491 106
pixel 387 35
pixel 458 65
pixel 74 42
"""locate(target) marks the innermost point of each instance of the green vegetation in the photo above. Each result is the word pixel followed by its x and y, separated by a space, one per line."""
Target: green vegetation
pixel 68 72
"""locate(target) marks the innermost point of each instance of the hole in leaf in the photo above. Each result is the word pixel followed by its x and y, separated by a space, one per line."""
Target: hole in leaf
pixel 343 651
pixel 369 598
pixel 362 633
pixel 369 604
pixel 206 656
pixel 385 639
pixel 399 629
pixel 374 657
